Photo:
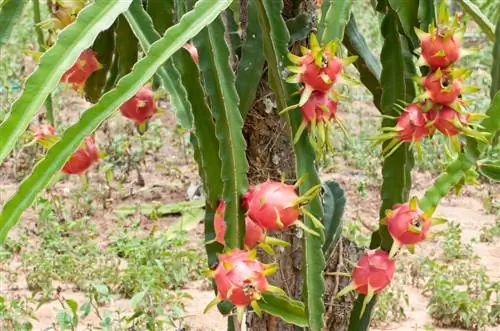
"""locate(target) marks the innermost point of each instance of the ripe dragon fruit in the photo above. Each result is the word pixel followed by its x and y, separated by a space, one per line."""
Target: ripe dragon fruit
pixel 83 158
pixel 241 279
pixel 374 271
pixel 439 50
pixel 254 234
pixel 412 125
pixel 442 87
pixel 317 113
pixel 192 50
pixel 276 206
pixel 407 224
pixel 77 75
pixel 141 107
pixel 317 69
pixel 450 123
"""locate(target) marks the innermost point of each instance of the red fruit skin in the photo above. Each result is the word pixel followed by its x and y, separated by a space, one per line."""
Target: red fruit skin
pixel 77 75
pixel 312 109
pixel 399 221
pixel 83 158
pixel 412 124
pixel 374 269
pixel 192 50
pixel 43 131
pixel 435 89
pixel 312 77
pixel 239 278
pixel 444 121
pixel 245 200
pixel 254 234
pixel 334 68
pixel 271 199
pixel 431 45
pixel 140 107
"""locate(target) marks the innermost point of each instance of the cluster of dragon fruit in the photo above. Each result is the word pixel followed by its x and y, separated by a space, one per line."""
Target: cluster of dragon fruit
pixel 139 109
pixel 239 276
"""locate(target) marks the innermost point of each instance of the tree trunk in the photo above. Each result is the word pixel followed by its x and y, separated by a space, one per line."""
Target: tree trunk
pixel 270 156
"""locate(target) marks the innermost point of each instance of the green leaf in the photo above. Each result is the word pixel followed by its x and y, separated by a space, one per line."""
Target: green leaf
pixel 289 310
pixel 426 13
pixel 104 46
pixel 147 209
pixel 276 37
pixel 207 156
pixel 491 124
pixel 454 172
pixel 221 91
pixel 368 64
pixel 408 16
pixel 495 69
pixel 299 27
pixel 137 299
pixel 333 205
pixel 489 168
pixel 69 44
pixel 162 13
pixel 186 223
pixel 336 18
pixel 10 12
pixel 251 63
pixel 191 23
pixel 396 170
pixel 126 46
pixel 142 25
pixel 481 19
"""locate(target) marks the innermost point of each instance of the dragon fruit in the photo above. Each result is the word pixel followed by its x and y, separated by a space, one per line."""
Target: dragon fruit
pixel 373 272
pixel 412 125
pixel 83 158
pixel 141 107
pixel 441 87
pixel 276 205
pixel 439 50
pixel 77 75
pixel 241 279
pixel 254 234
pixel 407 224
pixel 317 69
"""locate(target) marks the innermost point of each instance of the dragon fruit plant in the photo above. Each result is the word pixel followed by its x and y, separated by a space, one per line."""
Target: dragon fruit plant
pixel 221 63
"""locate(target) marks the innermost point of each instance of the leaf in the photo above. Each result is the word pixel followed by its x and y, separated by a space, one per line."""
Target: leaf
pixel 85 308
pixel 104 46
pixel 491 123
pixel 454 172
pixel 481 19
pixel 408 16
pixel 221 91
pixel 142 25
pixel 186 223
pixel 495 69
pixel 136 299
pixel 161 13
pixel 299 27
pixel 209 163
pixel 368 65
pixel 276 39
pixel 159 209
pixel 204 13
pixel 73 305
pixel 126 46
pixel 289 310
pixel 396 170
pixel 489 168
pixel 53 63
pixel 336 18
pixel 426 13
pixel 10 11
pixel 251 63
pixel 333 206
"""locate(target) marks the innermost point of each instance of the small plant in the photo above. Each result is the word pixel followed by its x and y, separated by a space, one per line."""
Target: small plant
pixel 453 248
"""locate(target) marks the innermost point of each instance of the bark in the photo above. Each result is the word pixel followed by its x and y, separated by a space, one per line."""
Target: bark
pixel 270 156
